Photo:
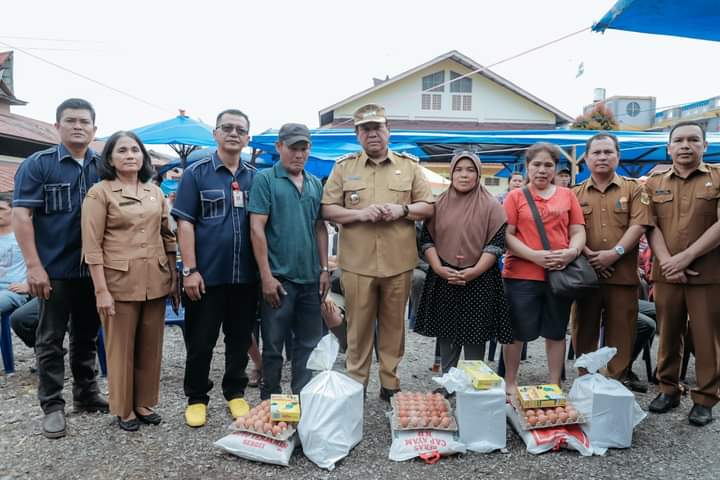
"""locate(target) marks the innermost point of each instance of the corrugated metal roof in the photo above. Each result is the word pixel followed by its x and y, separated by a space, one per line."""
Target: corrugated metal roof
pixel 17 126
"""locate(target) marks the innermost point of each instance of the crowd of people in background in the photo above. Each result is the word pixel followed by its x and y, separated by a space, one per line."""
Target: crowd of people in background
pixel 87 240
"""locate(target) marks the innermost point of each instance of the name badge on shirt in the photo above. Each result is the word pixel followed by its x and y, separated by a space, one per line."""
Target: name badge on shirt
pixel 238 197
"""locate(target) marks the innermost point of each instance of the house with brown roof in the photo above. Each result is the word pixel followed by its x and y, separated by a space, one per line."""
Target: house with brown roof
pixel 450 92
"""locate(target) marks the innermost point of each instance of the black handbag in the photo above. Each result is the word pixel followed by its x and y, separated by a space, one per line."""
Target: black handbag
pixel 578 279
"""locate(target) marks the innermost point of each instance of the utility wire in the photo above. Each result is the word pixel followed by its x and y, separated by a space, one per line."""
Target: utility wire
pixel 89 79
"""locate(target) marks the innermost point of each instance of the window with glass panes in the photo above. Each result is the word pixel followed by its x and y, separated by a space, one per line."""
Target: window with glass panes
pixel 461 90
pixel 432 83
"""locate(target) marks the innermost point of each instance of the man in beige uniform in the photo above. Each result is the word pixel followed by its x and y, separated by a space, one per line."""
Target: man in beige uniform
pixel 376 195
pixel 686 270
pixel 617 213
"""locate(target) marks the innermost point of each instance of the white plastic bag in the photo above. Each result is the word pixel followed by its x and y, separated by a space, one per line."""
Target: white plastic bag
pixel 259 448
pixel 407 444
pixel 610 408
pixel 541 440
pixel 480 413
pixel 331 423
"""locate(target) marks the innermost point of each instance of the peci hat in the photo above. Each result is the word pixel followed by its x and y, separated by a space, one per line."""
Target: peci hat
pixel 564 169
pixel 292 133
pixel 369 113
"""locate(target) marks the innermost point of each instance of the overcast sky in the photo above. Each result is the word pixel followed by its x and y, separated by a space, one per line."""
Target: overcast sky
pixel 283 61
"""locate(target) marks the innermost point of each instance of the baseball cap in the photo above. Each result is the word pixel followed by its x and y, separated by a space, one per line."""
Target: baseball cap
pixel 292 133
pixel 369 113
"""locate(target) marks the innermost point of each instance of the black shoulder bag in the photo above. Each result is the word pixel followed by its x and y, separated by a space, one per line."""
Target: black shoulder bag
pixel 578 278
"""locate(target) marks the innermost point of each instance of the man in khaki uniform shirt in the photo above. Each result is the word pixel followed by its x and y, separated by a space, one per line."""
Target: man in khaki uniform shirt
pixel 376 195
pixel 617 213
pixel 686 270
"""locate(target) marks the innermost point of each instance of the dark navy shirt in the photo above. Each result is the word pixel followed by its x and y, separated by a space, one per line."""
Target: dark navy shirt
pixel 53 185
pixel 222 231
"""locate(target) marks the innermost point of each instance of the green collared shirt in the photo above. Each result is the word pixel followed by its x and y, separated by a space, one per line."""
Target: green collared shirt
pixel 290 229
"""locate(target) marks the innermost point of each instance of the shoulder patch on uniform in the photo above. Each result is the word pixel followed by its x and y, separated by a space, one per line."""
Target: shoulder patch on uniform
pixel 347 156
pixel 629 179
pixel 408 155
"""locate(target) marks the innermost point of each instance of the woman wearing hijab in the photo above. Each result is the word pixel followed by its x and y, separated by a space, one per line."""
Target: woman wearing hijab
pixel 463 303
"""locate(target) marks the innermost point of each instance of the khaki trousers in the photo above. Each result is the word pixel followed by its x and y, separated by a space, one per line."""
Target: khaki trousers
pixel 617 305
pixel 368 299
pixel 675 303
pixel 133 342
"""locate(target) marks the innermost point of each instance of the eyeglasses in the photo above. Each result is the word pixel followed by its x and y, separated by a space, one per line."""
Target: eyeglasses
pixel 227 128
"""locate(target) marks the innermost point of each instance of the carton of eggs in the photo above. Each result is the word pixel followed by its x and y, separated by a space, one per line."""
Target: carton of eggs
pixel 421 411
pixel 258 421
pixel 550 417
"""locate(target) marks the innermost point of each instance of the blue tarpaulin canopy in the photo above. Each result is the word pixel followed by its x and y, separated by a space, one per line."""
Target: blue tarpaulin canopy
pixel 639 151
pixel 181 133
pixel 689 18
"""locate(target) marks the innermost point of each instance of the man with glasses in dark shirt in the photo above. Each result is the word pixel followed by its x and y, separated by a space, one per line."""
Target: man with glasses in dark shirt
pixel 49 190
pixel 220 278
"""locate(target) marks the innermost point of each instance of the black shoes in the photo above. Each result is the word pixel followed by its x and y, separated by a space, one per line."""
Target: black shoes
pixel 152 419
pixel 663 403
pixel 387 393
pixel 700 415
pixel 53 424
pixel 131 425
pixel 632 382
pixel 91 404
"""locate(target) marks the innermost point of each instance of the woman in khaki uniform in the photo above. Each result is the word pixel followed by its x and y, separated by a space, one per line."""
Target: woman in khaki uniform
pixel 131 254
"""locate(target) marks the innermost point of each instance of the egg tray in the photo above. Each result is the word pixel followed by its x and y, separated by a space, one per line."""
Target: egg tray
pixel 395 420
pixel 526 426
pixel 282 436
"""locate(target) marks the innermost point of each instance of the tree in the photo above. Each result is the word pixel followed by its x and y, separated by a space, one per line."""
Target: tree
pixel 599 118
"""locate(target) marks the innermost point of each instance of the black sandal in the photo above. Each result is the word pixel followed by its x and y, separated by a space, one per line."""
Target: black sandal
pixel 152 419
pixel 131 425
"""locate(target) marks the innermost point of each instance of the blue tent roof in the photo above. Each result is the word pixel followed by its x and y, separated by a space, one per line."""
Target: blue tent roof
pixel 689 18
pixel 637 149
pixel 181 130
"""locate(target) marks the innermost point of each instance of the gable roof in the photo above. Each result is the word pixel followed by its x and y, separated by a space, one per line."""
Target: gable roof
pixel 13 125
pixel 561 117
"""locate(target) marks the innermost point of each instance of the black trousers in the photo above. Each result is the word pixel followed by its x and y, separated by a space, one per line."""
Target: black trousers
pixel 68 298
pixel 24 321
pixel 646 327
pixel 234 307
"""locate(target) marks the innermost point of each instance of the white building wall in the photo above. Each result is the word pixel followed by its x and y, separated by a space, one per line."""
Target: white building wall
pixel 491 102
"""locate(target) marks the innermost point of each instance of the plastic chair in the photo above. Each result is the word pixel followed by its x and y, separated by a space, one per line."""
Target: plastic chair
pixel 6 344
pixel 175 319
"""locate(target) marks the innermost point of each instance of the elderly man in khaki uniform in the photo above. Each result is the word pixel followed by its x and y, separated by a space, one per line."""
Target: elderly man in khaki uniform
pixel 376 195
pixel 686 270
pixel 617 213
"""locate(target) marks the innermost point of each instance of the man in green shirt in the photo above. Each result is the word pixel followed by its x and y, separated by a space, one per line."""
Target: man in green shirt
pixel 289 240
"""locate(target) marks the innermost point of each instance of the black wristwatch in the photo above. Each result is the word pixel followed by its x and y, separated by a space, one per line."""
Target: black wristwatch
pixel 406 211
pixel 188 271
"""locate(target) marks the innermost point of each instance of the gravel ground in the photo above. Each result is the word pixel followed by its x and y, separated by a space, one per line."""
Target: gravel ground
pixel 665 446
